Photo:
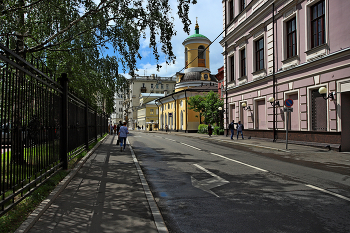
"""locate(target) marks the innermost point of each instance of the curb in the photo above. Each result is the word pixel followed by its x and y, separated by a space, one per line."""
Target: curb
pixel 45 204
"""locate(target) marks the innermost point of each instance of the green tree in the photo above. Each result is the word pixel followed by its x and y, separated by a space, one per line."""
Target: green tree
pixel 70 36
pixel 207 106
pixel 196 103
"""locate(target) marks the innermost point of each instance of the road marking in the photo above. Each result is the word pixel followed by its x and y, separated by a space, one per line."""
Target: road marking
pixel 190 146
pixel 240 162
pixel 325 191
pixel 209 183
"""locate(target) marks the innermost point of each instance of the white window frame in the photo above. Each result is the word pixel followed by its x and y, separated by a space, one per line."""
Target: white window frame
pixel 295 60
pixel 322 50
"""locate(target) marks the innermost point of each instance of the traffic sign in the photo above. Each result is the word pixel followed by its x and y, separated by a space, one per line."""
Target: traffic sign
pixel 288 103
pixel 288 109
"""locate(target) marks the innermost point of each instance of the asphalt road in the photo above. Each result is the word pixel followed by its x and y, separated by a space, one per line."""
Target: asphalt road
pixel 203 186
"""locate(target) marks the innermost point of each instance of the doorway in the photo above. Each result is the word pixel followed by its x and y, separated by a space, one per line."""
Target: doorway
pixel 345 122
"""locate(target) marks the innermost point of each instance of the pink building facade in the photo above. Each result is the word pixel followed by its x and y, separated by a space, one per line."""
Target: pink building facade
pixel 288 49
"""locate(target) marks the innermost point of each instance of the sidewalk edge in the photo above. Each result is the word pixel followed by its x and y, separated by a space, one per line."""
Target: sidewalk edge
pixel 45 204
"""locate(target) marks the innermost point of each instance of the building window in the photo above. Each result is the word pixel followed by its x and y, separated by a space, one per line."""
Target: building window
pixel 243 65
pixel 151 111
pixel 231 9
pixel 232 68
pixel 168 106
pixel 161 86
pixel 291 38
pixel 157 86
pixel 259 54
pixel 143 84
pixel 201 56
pixel 167 86
pixel 151 85
pixel 242 5
pixel 317 24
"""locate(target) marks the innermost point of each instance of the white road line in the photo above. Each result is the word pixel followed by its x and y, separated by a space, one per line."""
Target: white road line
pixel 205 170
pixel 170 139
pixel 325 191
pixel 240 162
pixel 190 146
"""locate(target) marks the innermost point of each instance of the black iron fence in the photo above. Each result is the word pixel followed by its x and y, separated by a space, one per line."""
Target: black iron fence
pixel 43 126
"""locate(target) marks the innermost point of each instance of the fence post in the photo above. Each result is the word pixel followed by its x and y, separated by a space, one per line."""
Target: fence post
pixel 64 123
pixel 96 127
pixel 87 125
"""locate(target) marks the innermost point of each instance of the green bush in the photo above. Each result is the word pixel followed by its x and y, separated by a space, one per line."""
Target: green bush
pixel 202 128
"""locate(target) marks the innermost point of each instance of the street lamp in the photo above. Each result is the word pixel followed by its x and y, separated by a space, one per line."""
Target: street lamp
pixel 273 102
pixel 244 105
pixel 221 111
pixel 323 92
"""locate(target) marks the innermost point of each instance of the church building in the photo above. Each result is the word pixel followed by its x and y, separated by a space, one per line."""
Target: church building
pixel 195 80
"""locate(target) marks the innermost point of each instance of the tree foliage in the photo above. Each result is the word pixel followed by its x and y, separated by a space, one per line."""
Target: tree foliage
pixel 70 36
pixel 207 105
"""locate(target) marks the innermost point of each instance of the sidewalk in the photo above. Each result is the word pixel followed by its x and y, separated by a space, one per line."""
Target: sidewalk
pixel 107 192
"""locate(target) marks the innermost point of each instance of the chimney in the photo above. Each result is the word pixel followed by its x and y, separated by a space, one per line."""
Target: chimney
pixel 165 92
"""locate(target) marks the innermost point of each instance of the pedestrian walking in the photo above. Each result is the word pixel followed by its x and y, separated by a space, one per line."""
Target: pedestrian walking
pixel 231 126
pixel 166 128
pixel 123 134
pixel 240 129
pixel 111 129
pixel 118 128
pixel 210 130
pixel 115 128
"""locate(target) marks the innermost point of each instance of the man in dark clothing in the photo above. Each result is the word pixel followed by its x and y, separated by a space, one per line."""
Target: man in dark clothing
pixel 240 128
pixel 232 128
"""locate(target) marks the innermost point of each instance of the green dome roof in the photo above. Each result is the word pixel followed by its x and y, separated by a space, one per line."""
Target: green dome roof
pixel 196 35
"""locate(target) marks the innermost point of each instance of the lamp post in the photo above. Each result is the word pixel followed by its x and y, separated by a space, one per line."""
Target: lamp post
pixel 221 116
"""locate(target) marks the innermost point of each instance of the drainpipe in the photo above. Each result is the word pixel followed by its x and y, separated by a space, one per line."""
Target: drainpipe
pixel 225 83
pixel 162 113
pixel 174 117
pixel 273 71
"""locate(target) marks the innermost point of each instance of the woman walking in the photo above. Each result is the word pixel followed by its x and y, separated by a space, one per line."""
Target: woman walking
pixel 123 134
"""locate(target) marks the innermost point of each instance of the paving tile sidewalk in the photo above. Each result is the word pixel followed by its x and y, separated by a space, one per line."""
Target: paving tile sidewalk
pixel 107 194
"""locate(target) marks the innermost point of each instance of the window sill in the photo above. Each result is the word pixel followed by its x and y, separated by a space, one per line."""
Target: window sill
pixel 242 80
pixel 316 52
pixel 290 62
pixel 259 74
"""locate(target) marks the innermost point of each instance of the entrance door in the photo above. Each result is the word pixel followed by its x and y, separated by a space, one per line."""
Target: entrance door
pixel 345 122
pixel 260 115
pixel 294 116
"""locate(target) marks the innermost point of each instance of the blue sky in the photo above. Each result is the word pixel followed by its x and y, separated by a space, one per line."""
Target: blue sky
pixel 210 21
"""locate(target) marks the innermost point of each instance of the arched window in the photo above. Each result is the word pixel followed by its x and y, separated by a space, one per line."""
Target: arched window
pixel 201 56
pixel 201 52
